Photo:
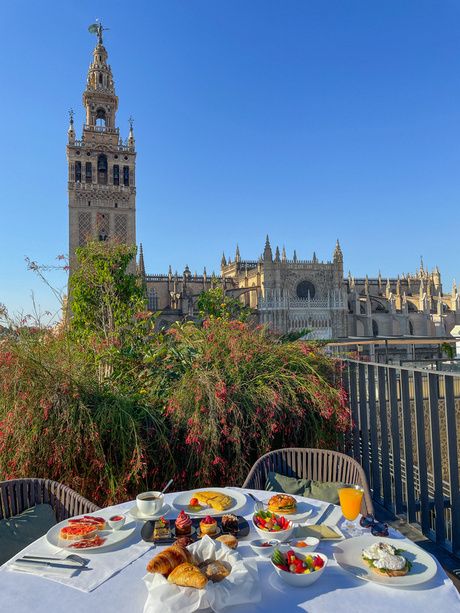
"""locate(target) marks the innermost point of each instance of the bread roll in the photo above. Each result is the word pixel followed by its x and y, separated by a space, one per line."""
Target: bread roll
pixel 229 540
pixel 168 559
pixel 188 575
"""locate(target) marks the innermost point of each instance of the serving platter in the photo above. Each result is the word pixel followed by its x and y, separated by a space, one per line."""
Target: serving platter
pixel 147 530
pixel 181 502
pixel 348 555
pixel 113 537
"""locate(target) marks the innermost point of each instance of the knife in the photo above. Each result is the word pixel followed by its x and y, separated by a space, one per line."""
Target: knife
pixel 325 513
pixel 70 562
pixel 48 564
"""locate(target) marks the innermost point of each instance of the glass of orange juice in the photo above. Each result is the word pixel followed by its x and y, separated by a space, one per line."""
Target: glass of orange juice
pixel 350 497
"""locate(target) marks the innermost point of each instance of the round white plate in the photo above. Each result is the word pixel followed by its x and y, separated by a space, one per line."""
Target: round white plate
pixel 113 537
pixel 348 555
pixel 303 510
pixel 134 512
pixel 181 502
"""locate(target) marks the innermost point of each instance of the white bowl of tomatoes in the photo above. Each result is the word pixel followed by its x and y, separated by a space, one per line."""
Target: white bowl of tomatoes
pixel 298 570
pixel 268 525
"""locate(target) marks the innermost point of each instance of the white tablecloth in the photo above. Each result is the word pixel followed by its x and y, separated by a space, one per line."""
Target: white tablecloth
pixel 125 592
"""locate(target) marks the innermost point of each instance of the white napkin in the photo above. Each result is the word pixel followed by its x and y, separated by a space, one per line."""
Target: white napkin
pixel 240 587
pixel 44 571
pixel 102 565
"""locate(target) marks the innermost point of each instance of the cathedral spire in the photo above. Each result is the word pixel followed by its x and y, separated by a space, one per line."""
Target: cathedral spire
pixel 277 254
pixel 295 256
pixel 338 255
pixel 268 255
pixel 237 255
pixel 141 265
pixel 71 131
pixel 283 254
pixel 223 261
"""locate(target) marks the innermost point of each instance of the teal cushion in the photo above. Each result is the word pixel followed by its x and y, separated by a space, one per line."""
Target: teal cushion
pixel 20 530
pixel 327 492
pixel 287 485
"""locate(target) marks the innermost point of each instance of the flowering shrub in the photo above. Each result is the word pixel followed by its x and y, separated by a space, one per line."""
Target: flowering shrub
pixel 114 409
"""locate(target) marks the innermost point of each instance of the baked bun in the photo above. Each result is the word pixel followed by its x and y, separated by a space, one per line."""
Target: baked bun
pixel 188 575
pixel 229 540
pixel 168 559
pixel 215 570
pixel 282 503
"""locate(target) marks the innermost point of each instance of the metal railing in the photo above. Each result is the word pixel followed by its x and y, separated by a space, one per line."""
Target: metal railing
pixel 404 434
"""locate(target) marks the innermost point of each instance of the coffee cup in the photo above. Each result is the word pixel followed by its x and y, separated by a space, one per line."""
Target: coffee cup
pixel 149 503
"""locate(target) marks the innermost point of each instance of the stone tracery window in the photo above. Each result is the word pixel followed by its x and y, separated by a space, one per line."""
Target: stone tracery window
pixel 305 289
pixel 84 228
pixel 121 228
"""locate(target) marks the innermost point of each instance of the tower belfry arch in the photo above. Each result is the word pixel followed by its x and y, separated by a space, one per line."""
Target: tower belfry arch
pixel 101 165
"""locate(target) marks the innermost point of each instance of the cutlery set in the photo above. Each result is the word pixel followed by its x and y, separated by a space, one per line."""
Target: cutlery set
pixel 71 561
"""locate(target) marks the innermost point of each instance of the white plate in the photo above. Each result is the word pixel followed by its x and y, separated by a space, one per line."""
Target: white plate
pixel 181 502
pixel 134 512
pixel 303 510
pixel 113 537
pixel 348 555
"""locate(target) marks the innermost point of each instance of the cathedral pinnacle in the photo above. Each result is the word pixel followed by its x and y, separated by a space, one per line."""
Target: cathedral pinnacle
pixel 268 250
pixel 277 254
pixel 223 261
pixel 283 254
pixel 237 255
pixel 141 265
pixel 338 255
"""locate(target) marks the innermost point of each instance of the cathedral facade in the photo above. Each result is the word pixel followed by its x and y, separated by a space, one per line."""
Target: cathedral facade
pixel 287 294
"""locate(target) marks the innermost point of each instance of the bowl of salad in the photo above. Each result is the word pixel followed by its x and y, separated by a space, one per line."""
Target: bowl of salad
pixel 271 526
pixel 296 569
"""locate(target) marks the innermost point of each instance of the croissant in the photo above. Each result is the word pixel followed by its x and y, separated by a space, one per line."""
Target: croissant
pixel 188 575
pixel 167 560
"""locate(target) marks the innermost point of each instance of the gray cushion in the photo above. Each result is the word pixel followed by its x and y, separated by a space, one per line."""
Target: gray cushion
pixel 287 485
pixel 20 530
pixel 328 492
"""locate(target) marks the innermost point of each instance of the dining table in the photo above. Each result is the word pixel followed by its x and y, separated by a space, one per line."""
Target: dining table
pixel 122 590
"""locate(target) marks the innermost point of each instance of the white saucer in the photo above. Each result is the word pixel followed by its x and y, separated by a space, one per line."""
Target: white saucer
pixel 134 512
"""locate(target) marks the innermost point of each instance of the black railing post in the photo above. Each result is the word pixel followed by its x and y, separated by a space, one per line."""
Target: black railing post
pixel 436 451
pixel 452 453
pixel 386 478
pixel 408 452
pixel 375 454
pixel 395 440
pixel 363 421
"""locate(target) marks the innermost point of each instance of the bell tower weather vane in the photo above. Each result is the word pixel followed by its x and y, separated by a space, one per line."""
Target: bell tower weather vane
pixel 97 28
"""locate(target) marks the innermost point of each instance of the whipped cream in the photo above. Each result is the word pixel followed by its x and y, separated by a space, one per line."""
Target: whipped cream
pixel 390 562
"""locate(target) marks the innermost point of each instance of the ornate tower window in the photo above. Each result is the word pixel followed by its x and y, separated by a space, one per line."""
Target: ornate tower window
pixel 78 172
pixel 101 117
pixel 89 172
pixel 102 169
pixel 121 228
pixel 116 174
pixel 102 226
pixel 153 299
pixel 306 289
pixel 126 175
pixel 84 228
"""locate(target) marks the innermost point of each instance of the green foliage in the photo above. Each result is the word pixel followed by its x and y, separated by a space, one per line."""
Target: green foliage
pixel 449 350
pixel 110 406
pixel 104 297
pixel 213 303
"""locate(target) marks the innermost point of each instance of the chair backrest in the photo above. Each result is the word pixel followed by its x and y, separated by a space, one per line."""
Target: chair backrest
pixel 17 495
pixel 315 464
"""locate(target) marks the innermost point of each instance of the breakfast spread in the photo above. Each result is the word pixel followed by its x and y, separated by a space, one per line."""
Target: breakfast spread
pixel 82 532
pixel 265 520
pixel 385 559
pixel 208 525
pixel 282 503
pixel 292 563
pixel 216 500
pixel 183 524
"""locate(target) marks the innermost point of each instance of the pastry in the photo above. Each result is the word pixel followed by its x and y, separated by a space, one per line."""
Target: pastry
pixel 215 570
pixel 161 529
pixel 76 532
pixel 208 525
pixel 216 500
pixel 229 540
pixel 230 523
pixel 184 541
pixel 167 560
pixel 282 503
pixel 188 575
pixel 183 524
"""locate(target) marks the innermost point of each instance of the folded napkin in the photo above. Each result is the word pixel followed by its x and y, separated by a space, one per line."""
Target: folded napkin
pixel 103 564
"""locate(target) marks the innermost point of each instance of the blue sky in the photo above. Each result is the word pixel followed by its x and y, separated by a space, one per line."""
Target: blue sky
pixel 307 120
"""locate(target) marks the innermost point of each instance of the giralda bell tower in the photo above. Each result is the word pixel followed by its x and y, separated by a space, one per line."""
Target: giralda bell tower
pixel 102 192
